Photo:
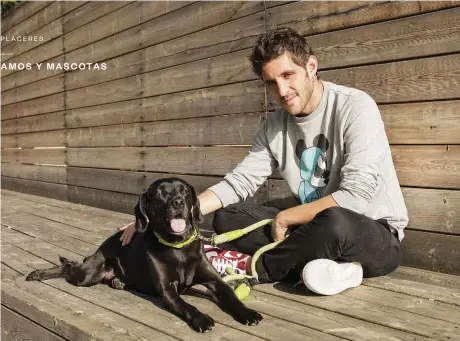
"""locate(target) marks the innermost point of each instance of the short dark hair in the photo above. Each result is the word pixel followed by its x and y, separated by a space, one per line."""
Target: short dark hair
pixel 275 43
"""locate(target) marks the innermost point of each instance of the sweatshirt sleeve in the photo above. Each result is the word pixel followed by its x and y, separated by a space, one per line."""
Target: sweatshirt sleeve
pixel 250 174
pixel 365 144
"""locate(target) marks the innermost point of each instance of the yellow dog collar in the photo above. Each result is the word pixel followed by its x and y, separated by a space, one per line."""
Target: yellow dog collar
pixel 177 245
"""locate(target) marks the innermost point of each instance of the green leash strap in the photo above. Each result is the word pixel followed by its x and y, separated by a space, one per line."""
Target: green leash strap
pixel 232 235
pixel 258 254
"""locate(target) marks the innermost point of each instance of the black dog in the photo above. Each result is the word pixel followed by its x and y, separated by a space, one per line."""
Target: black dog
pixel 166 259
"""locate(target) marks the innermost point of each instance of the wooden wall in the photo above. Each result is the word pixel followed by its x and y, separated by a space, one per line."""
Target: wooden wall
pixel 179 97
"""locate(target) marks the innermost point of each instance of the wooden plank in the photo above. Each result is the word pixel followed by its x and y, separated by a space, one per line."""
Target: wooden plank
pixel 219 70
pixel 32 107
pixel 431 251
pixel 228 99
pixel 42 35
pixel 98 215
pixel 422 290
pixel 320 16
pixel 233 130
pixel 334 323
pixel 113 201
pixel 9 141
pixel 422 123
pixel 45 189
pixel 74 219
pixel 28 124
pixel 70 317
pixel 419 36
pixel 33 75
pixel 89 237
pixel 89 12
pixel 55 138
pixel 101 20
pixel 423 79
pixel 433 210
pixel 47 235
pixel 388 316
pixel 21 13
pixel 42 156
pixel 110 180
pixel 216 40
pixel 425 307
pixel 63 217
pixel 425 277
pixel 185 20
pixel 39 54
pixel 69 6
pixel 181 160
pixel 38 173
pixel 427 166
pixel 38 89
pixel 137 182
pixel 35 156
pixel 17 327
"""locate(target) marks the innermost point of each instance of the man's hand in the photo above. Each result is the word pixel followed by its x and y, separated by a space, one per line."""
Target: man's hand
pixel 279 227
pixel 128 233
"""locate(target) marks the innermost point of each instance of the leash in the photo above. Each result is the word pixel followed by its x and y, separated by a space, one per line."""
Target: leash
pixel 243 289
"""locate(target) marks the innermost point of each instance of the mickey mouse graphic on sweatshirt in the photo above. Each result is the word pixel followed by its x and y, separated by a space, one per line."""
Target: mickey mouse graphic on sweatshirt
pixel 313 168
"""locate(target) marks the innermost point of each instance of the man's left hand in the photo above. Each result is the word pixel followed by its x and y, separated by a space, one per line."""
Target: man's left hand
pixel 279 227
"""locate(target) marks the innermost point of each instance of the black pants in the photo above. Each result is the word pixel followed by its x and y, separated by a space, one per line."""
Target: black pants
pixel 335 233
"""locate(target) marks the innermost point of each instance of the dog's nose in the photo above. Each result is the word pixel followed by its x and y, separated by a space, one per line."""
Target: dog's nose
pixel 178 203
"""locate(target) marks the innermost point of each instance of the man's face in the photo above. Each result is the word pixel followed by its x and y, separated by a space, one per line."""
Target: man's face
pixel 288 83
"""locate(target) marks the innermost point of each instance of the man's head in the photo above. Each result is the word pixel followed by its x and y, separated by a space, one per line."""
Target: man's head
pixel 285 62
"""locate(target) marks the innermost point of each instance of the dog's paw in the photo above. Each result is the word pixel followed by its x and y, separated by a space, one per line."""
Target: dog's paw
pixel 202 323
pixel 117 284
pixel 34 276
pixel 249 317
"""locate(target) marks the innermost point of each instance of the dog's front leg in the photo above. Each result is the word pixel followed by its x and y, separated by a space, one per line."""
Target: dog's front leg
pixel 197 320
pixel 227 297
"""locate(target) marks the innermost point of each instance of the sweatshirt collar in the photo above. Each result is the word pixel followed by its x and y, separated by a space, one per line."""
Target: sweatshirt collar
pixel 319 109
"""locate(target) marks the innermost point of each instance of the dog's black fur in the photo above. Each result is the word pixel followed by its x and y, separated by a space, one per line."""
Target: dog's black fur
pixel 150 267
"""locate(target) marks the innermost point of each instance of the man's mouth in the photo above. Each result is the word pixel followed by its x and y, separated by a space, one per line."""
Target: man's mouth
pixel 289 99
pixel 177 225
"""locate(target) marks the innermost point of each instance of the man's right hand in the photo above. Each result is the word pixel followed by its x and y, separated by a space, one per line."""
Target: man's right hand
pixel 128 233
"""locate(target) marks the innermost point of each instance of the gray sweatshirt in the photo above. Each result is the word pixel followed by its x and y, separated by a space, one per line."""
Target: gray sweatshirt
pixel 340 149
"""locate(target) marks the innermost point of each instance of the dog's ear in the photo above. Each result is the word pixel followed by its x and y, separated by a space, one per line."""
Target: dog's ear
pixel 196 211
pixel 141 217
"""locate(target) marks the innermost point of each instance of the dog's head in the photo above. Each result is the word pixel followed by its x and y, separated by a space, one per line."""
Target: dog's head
pixel 170 206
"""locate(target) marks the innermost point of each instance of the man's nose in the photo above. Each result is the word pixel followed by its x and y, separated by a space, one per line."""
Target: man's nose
pixel 283 88
pixel 178 202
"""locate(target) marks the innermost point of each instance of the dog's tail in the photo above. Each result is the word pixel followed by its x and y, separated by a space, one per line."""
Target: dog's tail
pixel 54 272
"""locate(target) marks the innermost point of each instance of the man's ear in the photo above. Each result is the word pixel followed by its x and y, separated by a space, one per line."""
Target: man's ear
pixel 141 217
pixel 196 211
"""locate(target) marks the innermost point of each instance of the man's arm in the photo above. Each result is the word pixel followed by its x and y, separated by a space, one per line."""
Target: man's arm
pixel 209 202
pixel 299 215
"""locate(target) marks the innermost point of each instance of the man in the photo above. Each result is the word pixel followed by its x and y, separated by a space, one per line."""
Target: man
pixel 329 144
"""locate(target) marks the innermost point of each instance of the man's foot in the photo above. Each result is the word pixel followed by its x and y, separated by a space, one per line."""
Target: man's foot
pixel 327 277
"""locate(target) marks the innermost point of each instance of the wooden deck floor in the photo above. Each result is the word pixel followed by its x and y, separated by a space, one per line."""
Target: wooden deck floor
pixel 406 305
